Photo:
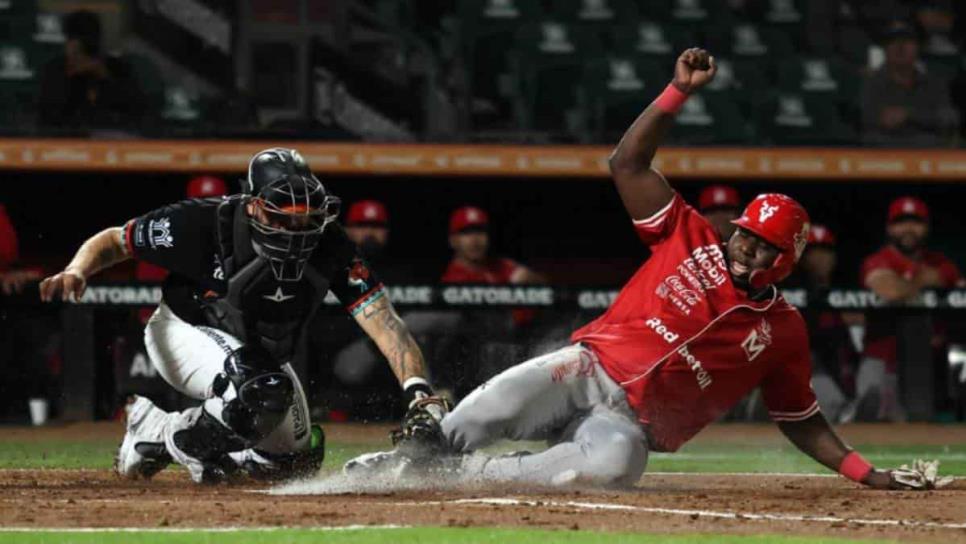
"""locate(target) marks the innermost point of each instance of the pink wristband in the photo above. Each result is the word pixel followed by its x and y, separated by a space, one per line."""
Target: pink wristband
pixel 671 99
pixel 854 467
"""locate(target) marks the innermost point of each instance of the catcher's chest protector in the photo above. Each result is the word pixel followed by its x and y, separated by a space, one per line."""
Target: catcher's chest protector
pixel 256 307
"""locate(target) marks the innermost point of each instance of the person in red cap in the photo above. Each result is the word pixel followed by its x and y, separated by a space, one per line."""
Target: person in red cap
pixel 469 238
pixel 897 272
pixel 367 225
pixel 696 328
pixel 720 205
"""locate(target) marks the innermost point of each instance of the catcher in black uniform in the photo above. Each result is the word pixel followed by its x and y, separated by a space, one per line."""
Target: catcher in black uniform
pixel 248 272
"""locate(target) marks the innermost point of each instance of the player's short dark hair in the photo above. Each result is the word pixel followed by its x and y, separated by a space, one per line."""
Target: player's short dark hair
pixel 85 27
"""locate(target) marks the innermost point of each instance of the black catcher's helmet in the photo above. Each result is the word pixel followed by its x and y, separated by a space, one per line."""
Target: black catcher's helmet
pixel 291 210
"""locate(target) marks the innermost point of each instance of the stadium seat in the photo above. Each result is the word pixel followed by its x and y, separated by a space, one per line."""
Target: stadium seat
pixel 17 20
pixel 149 78
pixel 651 40
pixel 617 90
pixel 594 11
pixel 710 119
pixel 183 110
pixel 782 12
pixel 795 119
pixel 747 40
pixel 853 44
pixel 487 30
pixel 18 85
pixel 830 78
pixel 548 62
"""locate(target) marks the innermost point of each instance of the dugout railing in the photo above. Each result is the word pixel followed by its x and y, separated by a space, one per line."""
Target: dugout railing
pixel 913 320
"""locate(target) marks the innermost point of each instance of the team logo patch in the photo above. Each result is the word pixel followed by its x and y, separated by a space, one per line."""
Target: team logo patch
pixel 279 296
pixel 583 367
pixel 160 233
pixel 758 339
pixel 801 240
pixel 359 275
pixel 766 212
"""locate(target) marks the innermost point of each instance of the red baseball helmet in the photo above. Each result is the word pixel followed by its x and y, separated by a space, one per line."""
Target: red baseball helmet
pixel 782 222
pixel 718 196
pixel 206 186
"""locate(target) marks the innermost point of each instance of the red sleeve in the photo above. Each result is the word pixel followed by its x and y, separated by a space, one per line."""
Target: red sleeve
pixel 9 248
pixel 658 227
pixel 876 261
pixel 507 268
pixel 454 274
pixel 787 388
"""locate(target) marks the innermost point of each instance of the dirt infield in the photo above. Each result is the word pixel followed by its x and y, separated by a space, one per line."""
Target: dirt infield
pixel 662 503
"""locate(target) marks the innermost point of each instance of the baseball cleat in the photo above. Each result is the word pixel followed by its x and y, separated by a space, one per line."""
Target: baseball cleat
pixel 142 453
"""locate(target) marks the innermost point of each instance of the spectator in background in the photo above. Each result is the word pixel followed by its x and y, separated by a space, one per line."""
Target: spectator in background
pixel 902 104
pixel 834 352
pixel 720 204
pixel 897 273
pixel 85 88
pixel 469 239
pixel 12 277
pixel 488 338
pixel 367 225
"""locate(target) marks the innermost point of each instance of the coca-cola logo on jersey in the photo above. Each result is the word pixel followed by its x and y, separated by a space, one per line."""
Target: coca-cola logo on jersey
pixel 703 270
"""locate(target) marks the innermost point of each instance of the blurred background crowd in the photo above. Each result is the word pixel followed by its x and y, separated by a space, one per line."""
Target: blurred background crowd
pixel 829 72
pixel 820 73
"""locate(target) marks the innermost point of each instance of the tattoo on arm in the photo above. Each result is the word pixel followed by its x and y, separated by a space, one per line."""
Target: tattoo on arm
pixel 390 333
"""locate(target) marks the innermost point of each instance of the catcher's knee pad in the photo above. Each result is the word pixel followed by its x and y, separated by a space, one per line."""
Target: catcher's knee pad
pixel 264 393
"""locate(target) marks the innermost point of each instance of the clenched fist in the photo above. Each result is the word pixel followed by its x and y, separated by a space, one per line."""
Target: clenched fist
pixel 693 70
pixel 69 285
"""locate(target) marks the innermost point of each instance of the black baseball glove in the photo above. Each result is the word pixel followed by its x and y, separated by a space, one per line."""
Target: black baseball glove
pixel 421 435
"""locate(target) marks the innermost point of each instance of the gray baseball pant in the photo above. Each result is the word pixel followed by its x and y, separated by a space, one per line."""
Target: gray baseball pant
pixel 564 397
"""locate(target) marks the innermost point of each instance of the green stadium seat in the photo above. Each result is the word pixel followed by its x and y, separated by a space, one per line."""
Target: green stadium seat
pixel 710 119
pixel 652 40
pixel 618 89
pixel 853 44
pixel 783 12
pixel 747 40
pixel 829 78
pixel 594 11
pixel 487 30
pixel 549 58
pixel 18 85
pixel 149 78
pixel 691 11
pixel 944 66
pixel 183 109
pixel 795 119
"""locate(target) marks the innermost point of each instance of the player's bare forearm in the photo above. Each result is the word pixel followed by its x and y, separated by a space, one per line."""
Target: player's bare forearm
pixel 103 250
pixel 644 191
pixel 381 322
pixel 100 251
pixel 816 438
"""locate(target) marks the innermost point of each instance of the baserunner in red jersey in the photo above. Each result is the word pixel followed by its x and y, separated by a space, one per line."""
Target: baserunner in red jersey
pixel 694 330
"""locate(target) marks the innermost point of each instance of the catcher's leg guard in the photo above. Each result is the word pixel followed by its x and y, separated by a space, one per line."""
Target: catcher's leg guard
pixel 254 399
pixel 269 466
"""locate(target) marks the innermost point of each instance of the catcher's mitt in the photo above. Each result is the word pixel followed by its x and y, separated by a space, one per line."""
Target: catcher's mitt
pixel 420 434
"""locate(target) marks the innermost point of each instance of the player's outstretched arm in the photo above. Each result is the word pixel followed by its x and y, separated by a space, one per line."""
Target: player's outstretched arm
pixel 103 250
pixel 381 322
pixel 644 191
pixel 816 438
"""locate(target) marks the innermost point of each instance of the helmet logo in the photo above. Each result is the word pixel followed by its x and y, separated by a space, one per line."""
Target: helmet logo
pixel 909 207
pixel 766 211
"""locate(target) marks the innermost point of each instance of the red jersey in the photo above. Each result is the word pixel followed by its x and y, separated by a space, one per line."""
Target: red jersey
pixel 880 335
pixel 686 345
pixel 8 241
pixel 496 271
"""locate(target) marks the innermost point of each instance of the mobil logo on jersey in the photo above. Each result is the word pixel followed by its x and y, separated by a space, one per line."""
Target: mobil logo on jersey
pixel 704 269
pixel 661 329
pixel 757 340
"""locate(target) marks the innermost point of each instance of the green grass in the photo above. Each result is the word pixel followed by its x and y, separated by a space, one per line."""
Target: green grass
pixel 692 458
pixel 425 535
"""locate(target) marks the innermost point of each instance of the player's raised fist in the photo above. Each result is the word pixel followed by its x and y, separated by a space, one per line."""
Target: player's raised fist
pixel 693 70
pixel 69 285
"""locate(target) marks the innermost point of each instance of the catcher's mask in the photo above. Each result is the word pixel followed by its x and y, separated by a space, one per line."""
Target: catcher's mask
pixel 289 210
